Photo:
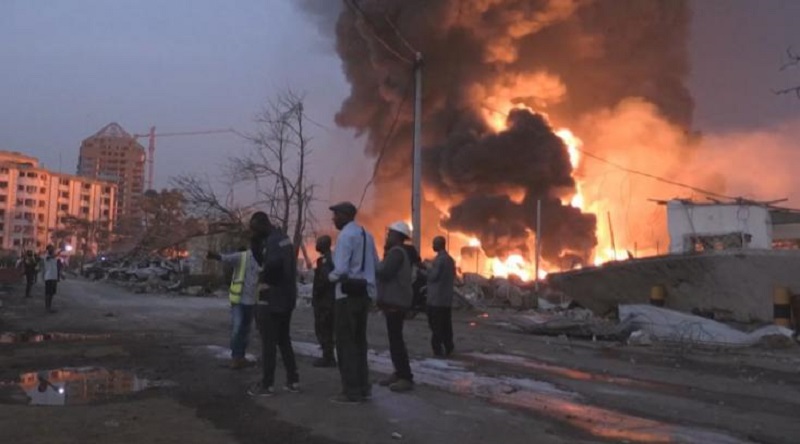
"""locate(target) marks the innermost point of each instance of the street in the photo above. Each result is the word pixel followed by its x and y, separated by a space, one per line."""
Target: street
pixel 139 368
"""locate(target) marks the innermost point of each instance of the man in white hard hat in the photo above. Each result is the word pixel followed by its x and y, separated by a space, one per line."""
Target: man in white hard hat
pixel 395 295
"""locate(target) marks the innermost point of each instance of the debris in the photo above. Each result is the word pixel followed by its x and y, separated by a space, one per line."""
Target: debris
pixel 640 338
pixel 396 435
pixel 195 290
pixel 667 325
pixel 574 323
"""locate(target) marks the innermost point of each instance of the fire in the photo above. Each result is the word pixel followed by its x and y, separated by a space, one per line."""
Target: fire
pixel 573 150
pixel 514 264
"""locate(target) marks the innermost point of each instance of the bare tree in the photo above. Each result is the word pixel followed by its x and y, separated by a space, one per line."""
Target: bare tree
pixel 792 60
pixel 204 203
pixel 277 165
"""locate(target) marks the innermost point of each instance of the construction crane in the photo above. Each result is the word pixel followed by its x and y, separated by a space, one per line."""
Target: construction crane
pixel 151 146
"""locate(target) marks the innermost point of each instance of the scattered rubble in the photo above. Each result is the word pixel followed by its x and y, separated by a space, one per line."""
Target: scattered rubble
pixel 151 275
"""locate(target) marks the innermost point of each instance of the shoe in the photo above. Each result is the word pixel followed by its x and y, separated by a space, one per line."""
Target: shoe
pixel 344 399
pixel 386 382
pixel 324 363
pixel 259 390
pixel 402 385
pixel 292 387
pixel 241 363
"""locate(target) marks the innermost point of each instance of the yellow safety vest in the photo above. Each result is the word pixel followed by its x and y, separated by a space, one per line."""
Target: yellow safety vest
pixel 237 283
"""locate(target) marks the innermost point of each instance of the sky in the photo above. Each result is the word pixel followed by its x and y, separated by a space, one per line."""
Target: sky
pixel 69 67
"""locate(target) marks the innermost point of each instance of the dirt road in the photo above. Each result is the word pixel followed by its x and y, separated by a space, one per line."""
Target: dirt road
pixel 151 369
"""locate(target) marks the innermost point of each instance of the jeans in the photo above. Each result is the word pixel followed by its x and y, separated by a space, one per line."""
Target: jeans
pixel 351 345
pixel 50 288
pixel 241 320
pixel 274 328
pixel 397 345
pixel 440 321
pixel 30 279
pixel 323 327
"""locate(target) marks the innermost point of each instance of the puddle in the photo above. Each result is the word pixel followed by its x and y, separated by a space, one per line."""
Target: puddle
pixel 73 386
pixel 542 398
pixel 32 336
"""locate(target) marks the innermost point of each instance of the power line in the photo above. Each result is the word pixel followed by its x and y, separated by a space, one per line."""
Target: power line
pixel 370 25
pixel 385 143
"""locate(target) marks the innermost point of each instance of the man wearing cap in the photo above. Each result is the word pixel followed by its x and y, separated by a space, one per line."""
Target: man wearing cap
pixel 354 260
pixel 395 296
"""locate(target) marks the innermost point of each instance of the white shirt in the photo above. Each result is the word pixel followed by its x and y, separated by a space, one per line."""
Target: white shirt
pixel 348 255
pixel 50 269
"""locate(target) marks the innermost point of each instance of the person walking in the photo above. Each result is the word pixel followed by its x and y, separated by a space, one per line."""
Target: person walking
pixel 51 271
pixel 355 259
pixel 30 266
pixel 277 298
pixel 395 296
pixel 242 297
pixel 441 279
pixel 323 298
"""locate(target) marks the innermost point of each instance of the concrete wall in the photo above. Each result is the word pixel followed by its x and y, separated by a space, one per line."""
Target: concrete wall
pixel 687 220
pixel 734 285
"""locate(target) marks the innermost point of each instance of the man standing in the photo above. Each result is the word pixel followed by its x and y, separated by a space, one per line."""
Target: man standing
pixel 354 259
pixel 441 278
pixel 323 300
pixel 51 269
pixel 277 297
pixel 395 296
pixel 30 265
pixel 242 296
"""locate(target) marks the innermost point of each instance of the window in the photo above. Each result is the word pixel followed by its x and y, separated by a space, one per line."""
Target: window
pixel 87 186
pixel 64 194
pixel 3 198
pixel 3 184
pixel 16 242
pixel 41 219
pixel 20 202
pixel 84 210
pixel 20 188
pixel 63 207
pixel 2 213
pixel 85 198
pixel 64 181
pixel 32 175
pixel 31 189
pixel 41 204
pixel 4 170
pixel 30 203
pixel 42 190
pixel 106 190
pixel 105 213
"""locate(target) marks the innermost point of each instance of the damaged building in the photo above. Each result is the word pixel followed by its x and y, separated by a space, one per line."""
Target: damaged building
pixel 725 260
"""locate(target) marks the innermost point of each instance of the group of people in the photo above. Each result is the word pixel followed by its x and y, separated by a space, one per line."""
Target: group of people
pixel 350 280
pixel 51 268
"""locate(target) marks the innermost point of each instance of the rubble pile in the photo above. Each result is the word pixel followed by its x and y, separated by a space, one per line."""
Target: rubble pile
pixel 151 275
pixel 477 290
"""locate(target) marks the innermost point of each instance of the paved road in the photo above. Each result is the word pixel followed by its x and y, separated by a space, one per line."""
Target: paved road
pixel 502 386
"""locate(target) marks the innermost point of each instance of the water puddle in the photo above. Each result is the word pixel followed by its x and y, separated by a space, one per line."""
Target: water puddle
pixel 33 337
pixel 73 386
pixel 542 398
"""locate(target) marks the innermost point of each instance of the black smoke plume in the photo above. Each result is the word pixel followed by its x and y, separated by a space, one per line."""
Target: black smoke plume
pixel 564 58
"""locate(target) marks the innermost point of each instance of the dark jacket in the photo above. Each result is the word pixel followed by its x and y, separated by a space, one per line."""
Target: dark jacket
pixel 279 273
pixel 323 293
pixel 393 277
pixel 441 278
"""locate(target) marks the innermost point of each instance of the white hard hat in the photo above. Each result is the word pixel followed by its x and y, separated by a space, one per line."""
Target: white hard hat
pixel 401 227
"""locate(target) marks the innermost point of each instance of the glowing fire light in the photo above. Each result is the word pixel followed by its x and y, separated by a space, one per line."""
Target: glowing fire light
pixel 573 150
pixel 474 242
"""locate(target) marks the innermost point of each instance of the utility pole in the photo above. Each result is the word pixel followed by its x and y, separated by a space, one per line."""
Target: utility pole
pixel 538 241
pixel 416 188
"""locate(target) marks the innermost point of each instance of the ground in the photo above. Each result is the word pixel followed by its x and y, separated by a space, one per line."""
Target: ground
pixel 152 369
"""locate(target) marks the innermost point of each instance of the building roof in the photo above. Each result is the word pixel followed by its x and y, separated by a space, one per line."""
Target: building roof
pixel 113 130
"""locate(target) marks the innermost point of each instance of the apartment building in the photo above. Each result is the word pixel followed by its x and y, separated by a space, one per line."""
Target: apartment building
pixel 35 201
pixel 112 154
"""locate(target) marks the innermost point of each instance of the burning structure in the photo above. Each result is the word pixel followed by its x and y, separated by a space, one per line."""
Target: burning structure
pixel 515 91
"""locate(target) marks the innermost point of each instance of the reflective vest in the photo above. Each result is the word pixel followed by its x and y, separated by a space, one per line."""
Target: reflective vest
pixel 237 283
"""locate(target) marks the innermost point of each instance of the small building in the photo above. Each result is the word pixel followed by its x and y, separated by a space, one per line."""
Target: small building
pixel 702 227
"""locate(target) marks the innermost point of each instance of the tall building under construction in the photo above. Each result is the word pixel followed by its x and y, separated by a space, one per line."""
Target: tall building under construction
pixel 112 154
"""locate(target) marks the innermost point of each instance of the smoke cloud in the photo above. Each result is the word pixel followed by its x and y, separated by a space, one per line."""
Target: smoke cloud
pixel 485 167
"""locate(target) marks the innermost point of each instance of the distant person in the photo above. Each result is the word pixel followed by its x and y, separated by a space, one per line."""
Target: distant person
pixel 242 296
pixel 395 296
pixel 441 279
pixel 30 267
pixel 277 298
pixel 323 300
pixel 51 271
pixel 354 259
